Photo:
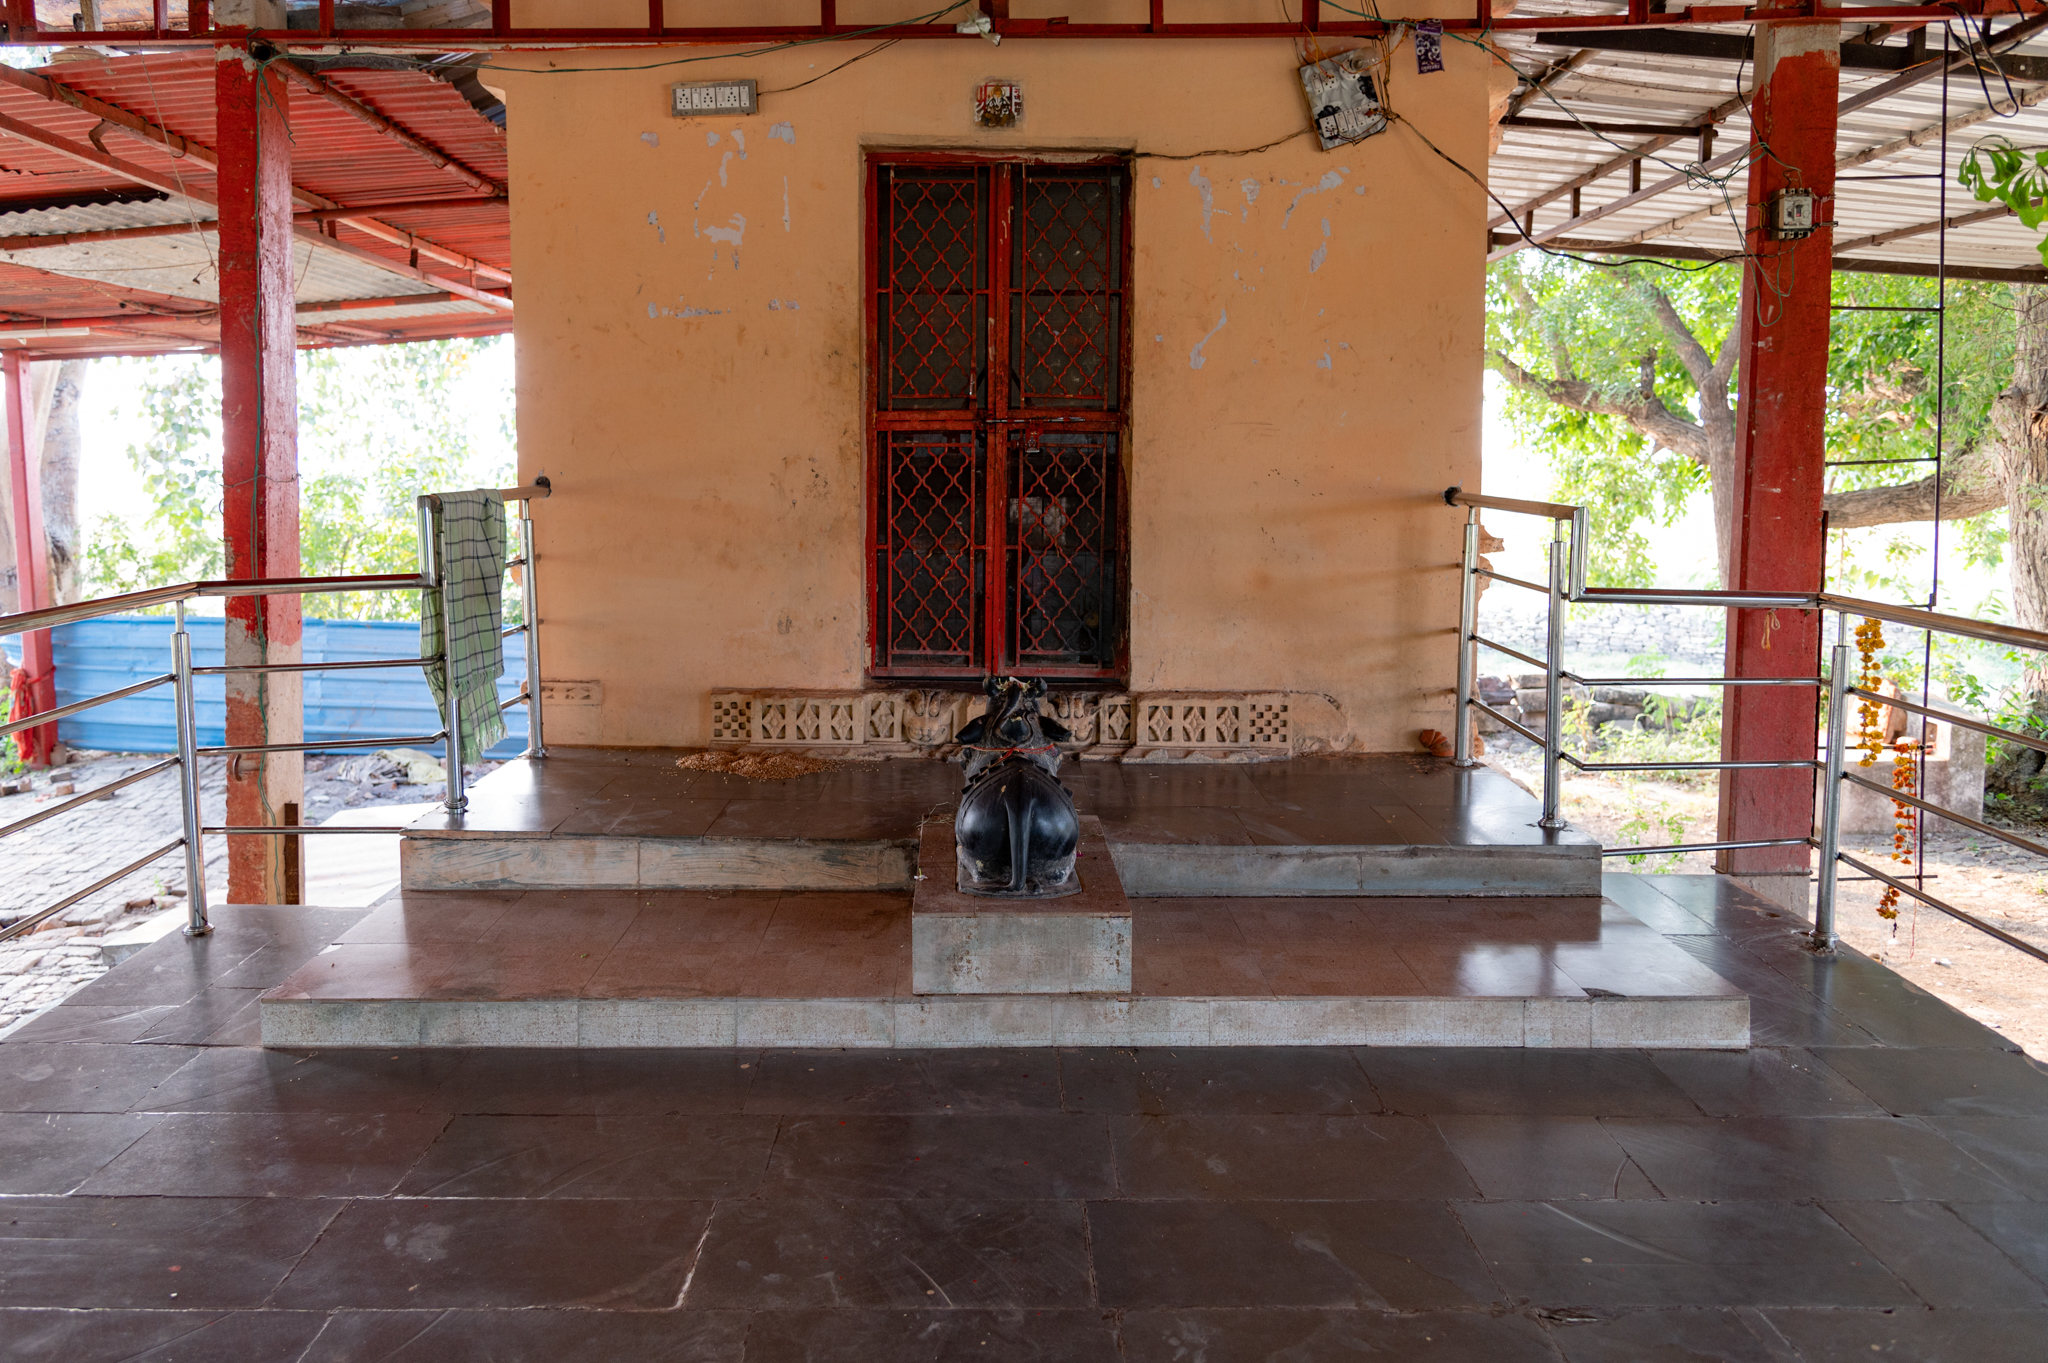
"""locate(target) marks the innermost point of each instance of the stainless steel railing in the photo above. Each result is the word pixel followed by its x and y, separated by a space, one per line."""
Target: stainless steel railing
pixel 430 577
pixel 1568 554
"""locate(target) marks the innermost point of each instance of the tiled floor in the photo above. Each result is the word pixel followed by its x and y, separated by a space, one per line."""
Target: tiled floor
pixel 1870 1181
pixel 552 944
pixel 1378 799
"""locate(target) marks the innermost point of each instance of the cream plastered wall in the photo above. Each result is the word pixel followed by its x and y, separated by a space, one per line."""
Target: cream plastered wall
pixel 1307 332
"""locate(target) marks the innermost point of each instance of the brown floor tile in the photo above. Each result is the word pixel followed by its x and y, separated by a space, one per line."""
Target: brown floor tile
pixel 699 1157
pixel 1946 1263
pixel 76 1076
pixel 1520 1082
pixel 1258 1334
pixel 268 1154
pixel 1678 1253
pixel 1187 824
pixel 567 1082
pixel 846 820
pixel 1017 1155
pixel 620 1255
pixel 431 917
pixel 1236 1158
pixel 238 1079
pixel 1763 1082
pixel 901 1255
pixel 109 1024
pixel 1873 1158
pixel 839 1083
pixel 638 815
pixel 529 1336
pixel 155 1253
pixel 156 1336
pixel 841 1336
pixel 1718 1333
pixel 1922 1336
pixel 1482 970
pixel 1544 1158
pixel 1407 1256
pixel 54 1153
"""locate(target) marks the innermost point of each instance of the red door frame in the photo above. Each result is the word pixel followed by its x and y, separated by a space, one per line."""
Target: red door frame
pixel 995 421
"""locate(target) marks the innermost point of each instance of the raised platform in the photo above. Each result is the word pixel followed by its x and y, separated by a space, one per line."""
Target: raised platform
pixel 1322 826
pixel 963 943
pixel 683 968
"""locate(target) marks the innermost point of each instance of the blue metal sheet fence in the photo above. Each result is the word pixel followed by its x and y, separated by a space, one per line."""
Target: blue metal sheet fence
pixel 94 657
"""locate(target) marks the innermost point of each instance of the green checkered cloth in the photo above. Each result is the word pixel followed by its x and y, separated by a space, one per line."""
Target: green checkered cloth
pixel 468 611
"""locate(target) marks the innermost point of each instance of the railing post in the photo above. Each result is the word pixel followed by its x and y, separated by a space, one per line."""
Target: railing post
pixel 1831 798
pixel 451 754
pixel 529 592
pixel 196 918
pixel 1553 685
pixel 1468 626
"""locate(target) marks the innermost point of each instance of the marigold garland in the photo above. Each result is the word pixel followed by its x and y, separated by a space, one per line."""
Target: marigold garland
pixel 1870 741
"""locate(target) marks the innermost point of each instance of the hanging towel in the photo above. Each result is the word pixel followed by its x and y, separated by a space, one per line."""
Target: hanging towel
pixel 469 535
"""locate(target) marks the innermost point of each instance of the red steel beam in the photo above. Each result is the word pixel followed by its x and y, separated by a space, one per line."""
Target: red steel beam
pixel 1776 530
pixel 503 35
pixel 31 556
pixel 260 465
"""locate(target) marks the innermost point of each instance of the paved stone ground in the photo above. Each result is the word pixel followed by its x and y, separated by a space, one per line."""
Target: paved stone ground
pixel 1870 1181
pixel 43 864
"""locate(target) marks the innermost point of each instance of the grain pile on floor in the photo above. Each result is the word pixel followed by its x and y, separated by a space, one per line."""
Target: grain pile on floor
pixel 781 766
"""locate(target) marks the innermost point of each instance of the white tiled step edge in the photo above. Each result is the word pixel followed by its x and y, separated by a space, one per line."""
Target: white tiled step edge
pixel 1715 1023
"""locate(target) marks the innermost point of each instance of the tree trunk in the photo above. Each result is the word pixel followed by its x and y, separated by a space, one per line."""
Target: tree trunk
pixel 2020 416
pixel 62 442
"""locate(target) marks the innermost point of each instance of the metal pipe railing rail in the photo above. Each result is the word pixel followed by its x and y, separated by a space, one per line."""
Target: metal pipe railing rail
pixel 182 676
pixel 1841 694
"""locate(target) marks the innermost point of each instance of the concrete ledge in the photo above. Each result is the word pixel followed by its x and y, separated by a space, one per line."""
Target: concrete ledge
pixel 971 944
pixel 1012 1020
pixel 595 863
pixel 1181 871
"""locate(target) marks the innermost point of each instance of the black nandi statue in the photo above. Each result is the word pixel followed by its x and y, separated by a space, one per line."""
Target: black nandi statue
pixel 1016 831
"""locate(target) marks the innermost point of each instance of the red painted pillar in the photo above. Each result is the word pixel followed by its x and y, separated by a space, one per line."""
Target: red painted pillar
pixel 1781 427
pixel 31 554
pixel 259 424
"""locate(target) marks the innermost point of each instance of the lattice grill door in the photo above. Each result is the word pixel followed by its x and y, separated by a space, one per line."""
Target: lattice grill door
pixel 997 515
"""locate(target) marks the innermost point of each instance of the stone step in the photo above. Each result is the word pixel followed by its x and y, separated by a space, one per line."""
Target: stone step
pixel 1701 1023
pixel 963 943
pixel 1147 870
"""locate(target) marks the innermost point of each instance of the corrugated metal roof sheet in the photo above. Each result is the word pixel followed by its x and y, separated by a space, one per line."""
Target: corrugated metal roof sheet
pixel 336 156
pixel 1643 88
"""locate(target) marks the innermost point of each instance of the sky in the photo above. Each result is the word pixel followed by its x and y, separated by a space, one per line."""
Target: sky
pixel 111 422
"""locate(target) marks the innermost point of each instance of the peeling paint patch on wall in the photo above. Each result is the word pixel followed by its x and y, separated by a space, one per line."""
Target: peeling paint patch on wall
pixel 1321 253
pixel 651 139
pixel 1196 359
pixel 1331 180
pixel 785 131
pixel 710 138
pixel 1250 188
pixel 1208 193
pixel 654 221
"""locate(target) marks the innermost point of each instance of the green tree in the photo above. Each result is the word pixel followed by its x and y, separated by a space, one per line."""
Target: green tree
pixel 378 425
pixel 1629 383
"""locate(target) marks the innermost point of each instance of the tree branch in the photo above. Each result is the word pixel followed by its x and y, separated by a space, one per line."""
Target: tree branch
pixel 1969 488
pixel 1645 413
pixel 1691 353
pixel 1560 353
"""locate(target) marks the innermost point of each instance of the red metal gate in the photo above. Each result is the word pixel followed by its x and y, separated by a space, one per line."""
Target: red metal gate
pixel 998 371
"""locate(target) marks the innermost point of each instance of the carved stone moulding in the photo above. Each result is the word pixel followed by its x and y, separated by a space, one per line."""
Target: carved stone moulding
pixel 1108 726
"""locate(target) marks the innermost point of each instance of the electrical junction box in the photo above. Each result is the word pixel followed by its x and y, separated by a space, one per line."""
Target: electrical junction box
pixel 715 97
pixel 1788 215
pixel 1342 99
